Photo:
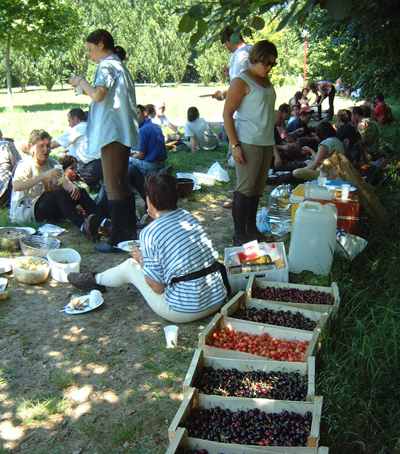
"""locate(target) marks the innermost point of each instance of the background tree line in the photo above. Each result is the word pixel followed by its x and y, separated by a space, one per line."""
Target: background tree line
pixel 359 47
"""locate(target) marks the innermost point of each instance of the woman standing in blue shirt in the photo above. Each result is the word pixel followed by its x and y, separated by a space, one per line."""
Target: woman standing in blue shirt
pixel 112 128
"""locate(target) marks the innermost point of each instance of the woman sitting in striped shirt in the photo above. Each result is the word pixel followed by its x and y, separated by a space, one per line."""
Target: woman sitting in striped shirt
pixel 175 269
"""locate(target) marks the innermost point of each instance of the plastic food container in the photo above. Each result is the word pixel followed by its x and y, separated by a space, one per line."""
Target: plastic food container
pixel 31 270
pixel 239 281
pixel 204 178
pixel 62 262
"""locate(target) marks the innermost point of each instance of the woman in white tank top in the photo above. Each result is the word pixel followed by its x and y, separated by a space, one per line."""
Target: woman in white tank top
pixel 249 124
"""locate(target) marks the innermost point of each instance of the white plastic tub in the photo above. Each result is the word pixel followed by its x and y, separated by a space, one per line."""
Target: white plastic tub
pixel 204 178
pixel 59 271
pixel 239 282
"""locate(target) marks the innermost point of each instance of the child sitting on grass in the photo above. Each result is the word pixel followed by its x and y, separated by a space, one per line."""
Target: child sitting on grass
pixel 70 168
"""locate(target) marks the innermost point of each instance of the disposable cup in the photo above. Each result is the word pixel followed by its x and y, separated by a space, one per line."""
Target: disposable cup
pixel 171 336
pixel 321 181
pixel 345 190
pixel 78 90
pixel 58 166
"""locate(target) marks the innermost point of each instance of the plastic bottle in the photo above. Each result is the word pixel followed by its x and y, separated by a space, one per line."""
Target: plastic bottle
pixel 312 243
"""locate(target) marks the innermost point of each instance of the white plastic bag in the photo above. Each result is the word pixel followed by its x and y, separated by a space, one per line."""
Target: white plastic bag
pixel 263 222
pixel 217 171
pixel 349 245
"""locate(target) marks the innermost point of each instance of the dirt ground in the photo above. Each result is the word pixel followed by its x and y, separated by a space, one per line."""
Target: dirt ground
pixel 100 382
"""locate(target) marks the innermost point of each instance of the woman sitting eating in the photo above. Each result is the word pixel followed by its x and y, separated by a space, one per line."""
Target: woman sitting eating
pixel 41 192
pixel 328 141
pixel 175 268
pixel 199 132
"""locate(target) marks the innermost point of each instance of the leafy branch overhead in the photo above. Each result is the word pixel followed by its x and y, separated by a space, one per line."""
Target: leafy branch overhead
pixel 245 16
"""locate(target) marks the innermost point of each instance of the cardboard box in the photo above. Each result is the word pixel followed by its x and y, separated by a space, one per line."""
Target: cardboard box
pixel 183 441
pixel 238 282
pixel 240 301
pixel 333 290
pixel 219 322
pixel 200 360
pixel 192 399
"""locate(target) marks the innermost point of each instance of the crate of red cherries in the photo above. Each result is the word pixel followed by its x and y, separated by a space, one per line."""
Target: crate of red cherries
pixel 254 423
pixel 296 296
pixel 240 339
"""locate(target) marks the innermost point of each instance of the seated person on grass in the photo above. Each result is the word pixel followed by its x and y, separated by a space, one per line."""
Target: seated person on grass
pixel 175 268
pixel 287 150
pixel 70 168
pixel 345 130
pixel 327 135
pixel 40 192
pixel 152 152
pixel 9 158
pixel 295 113
pixel 199 132
pixel 74 140
pixel 369 132
pixel 301 132
pixel 161 120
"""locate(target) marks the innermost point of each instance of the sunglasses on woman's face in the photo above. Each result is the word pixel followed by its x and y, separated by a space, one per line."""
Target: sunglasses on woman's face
pixel 272 64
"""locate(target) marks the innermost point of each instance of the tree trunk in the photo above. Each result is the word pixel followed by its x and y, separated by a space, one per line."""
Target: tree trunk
pixel 8 73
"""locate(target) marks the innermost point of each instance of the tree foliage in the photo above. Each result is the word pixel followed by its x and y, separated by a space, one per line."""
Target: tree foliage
pixel 23 69
pixel 362 48
pixel 48 68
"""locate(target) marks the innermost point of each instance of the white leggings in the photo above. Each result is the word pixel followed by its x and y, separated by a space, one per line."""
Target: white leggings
pixel 130 272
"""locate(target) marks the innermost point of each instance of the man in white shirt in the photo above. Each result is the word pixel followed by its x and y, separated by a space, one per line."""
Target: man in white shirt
pixel 161 120
pixel 75 141
pixel 239 60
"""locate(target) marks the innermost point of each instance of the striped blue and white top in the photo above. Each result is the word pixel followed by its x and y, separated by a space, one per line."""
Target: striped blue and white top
pixel 174 245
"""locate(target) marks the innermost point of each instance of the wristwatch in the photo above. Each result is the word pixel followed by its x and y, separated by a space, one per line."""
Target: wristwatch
pixel 236 145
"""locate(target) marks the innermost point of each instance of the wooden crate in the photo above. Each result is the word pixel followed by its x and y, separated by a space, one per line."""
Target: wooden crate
pixel 192 399
pixel 182 441
pixel 219 322
pixel 240 301
pixel 332 290
pixel 200 360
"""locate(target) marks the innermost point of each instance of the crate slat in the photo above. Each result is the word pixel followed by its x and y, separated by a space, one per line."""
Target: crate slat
pixel 181 440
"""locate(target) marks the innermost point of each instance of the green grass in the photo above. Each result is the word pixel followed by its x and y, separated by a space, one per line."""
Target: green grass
pixel 358 363
pixel 33 411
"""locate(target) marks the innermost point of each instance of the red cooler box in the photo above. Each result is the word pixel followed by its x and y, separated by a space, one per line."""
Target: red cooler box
pixel 348 213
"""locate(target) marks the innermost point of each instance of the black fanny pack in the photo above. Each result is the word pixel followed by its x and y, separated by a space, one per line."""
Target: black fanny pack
pixel 216 266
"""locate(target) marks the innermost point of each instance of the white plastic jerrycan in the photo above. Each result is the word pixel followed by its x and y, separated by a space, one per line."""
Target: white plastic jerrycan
pixel 312 243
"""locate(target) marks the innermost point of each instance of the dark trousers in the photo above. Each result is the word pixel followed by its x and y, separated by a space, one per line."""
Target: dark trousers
pixel 92 172
pixel 5 198
pixel 56 204
pixel 331 97
pixel 136 180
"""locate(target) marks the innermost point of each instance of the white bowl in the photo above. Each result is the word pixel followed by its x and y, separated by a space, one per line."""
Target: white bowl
pixel 33 276
pixel 59 271
pixel 204 178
